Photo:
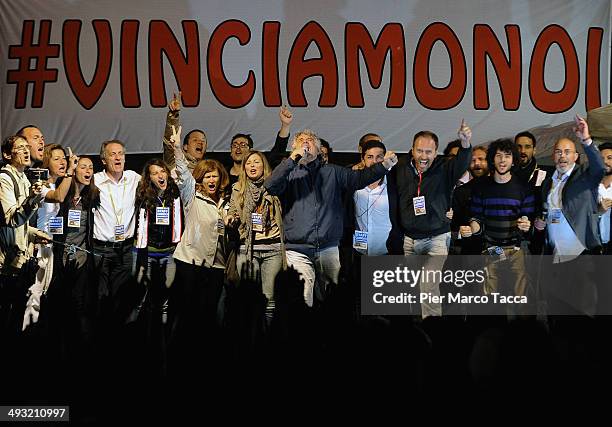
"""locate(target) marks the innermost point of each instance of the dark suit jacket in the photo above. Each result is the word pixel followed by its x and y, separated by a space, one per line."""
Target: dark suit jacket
pixel 579 198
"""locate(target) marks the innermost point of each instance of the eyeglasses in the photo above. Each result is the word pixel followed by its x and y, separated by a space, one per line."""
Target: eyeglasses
pixel 240 144
pixel 566 152
pixel 22 149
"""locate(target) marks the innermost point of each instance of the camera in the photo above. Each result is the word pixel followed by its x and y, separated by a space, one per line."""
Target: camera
pixel 37 174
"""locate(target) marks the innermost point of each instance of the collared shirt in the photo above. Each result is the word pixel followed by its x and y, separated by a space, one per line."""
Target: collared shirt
pixel 372 214
pixel 604 221
pixel 566 244
pixel 116 205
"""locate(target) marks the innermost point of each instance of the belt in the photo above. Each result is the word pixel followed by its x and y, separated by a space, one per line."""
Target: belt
pixel 122 244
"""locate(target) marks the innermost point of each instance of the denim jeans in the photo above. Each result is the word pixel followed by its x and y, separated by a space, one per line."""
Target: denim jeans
pixel 267 263
pixel 322 268
pixel 437 247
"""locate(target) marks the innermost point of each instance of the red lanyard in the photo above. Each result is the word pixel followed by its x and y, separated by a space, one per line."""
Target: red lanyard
pixel 419 187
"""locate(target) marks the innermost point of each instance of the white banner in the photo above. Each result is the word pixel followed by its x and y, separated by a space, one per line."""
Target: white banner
pixel 88 71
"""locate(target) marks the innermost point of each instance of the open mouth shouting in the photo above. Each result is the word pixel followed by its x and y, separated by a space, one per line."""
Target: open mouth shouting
pixel 211 187
pixel 162 183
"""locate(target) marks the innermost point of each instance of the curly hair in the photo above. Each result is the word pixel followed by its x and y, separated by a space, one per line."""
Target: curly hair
pixel 210 165
pixel 147 192
pixel 505 145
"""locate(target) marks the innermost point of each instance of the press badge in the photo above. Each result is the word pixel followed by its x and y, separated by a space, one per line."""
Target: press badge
pixel 119 233
pixel 56 225
pixel 360 240
pixel 257 222
pixel 162 215
pixel 555 216
pixel 497 253
pixel 74 218
pixel 419 205
pixel 220 226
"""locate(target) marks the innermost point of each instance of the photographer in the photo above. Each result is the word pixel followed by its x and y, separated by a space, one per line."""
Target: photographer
pixel 19 201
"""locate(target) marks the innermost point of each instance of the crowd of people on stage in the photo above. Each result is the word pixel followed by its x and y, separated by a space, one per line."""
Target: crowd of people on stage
pixel 93 251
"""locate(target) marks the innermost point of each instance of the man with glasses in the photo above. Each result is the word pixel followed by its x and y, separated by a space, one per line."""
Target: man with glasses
pixel 243 143
pixel 571 221
pixel 19 200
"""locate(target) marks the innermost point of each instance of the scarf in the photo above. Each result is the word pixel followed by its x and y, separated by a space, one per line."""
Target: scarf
pixel 256 195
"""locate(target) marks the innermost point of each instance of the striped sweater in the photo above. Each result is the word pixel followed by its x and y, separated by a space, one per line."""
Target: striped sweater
pixel 497 207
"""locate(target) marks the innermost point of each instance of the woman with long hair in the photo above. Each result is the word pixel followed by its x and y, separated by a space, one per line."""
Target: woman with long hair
pixel 199 256
pixel 159 225
pixel 258 217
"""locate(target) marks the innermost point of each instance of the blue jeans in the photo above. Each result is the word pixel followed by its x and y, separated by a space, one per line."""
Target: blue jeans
pixel 437 247
pixel 323 267
pixel 267 263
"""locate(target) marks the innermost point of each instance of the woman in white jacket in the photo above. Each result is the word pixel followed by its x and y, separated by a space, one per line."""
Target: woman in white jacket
pixel 199 256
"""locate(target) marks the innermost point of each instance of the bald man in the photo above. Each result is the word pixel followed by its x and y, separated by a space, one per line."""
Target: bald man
pixel 569 198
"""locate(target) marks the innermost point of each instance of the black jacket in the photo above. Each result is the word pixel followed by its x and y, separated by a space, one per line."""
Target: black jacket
pixel 437 185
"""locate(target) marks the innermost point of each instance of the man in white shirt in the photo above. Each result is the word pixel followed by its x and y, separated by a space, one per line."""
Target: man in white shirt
pixel 373 223
pixel 605 198
pixel 114 223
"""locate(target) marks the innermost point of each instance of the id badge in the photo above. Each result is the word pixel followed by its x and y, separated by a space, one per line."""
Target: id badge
pixel 119 233
pixel 497 253
pixel 257 222
pixel 220 226
pixel 419 205
pixel 74 218
pixel 56 225
pixel 162 216
pixel 555 216
pixel 360 240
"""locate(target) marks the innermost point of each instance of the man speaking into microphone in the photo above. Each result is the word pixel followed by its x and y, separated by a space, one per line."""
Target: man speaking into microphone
pixel 311 196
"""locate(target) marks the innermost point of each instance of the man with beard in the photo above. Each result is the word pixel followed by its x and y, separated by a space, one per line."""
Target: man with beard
pixel 605 197
pixel 462 243
pixel 311 195
pixel 502 207
pixel 528 169
pixel 571 222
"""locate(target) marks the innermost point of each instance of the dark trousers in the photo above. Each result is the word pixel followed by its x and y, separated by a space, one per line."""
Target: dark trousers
pixel 193 306
pixel 117 295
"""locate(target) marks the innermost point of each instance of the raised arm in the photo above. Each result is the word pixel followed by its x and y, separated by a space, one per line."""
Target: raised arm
pixel 456 167
pixel 353 180
pixel 185 181
pixel 172 119
pixel 282 138
pixel 597 168
pixel 59 194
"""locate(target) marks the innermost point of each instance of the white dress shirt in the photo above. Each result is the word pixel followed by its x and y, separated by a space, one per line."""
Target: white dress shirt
pixel 372 214
pixel 604 221
pixel 116 205
pixel 561 235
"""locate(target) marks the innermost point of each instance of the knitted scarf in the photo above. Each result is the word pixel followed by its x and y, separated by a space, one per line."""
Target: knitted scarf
pixel 254 195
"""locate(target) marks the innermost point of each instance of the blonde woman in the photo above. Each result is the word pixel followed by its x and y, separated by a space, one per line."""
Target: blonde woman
pixel 257 215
